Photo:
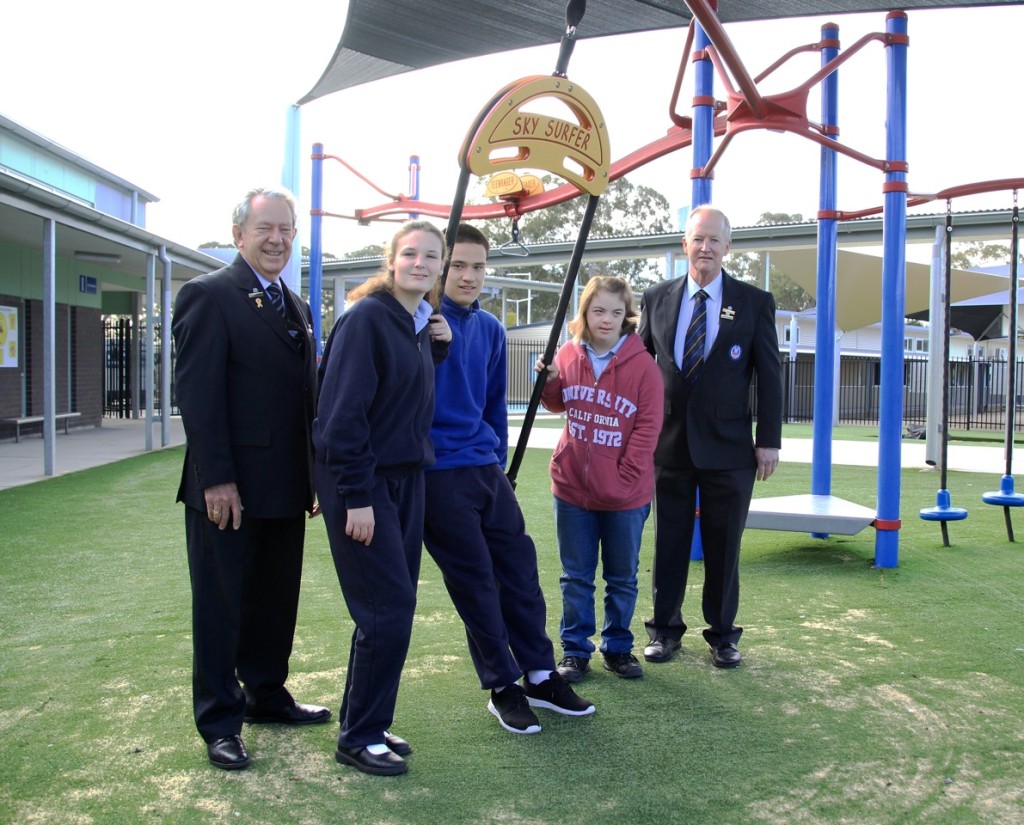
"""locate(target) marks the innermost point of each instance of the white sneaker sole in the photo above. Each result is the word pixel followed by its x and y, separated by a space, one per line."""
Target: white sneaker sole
pixel 509 728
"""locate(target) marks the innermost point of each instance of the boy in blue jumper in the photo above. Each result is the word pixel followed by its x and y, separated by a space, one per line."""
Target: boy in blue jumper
pixel 474 529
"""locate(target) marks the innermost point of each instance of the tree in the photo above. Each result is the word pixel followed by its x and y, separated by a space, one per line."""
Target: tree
pixel 370 251
pixel 972 254
pixel 789 295
pixel 623 210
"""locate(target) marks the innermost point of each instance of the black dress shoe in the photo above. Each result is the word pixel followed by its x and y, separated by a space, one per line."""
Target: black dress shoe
pixel 726 656
pixel 661 649
pixel 397 744
pixel 385 764
pixel 296 714
pixel 228 753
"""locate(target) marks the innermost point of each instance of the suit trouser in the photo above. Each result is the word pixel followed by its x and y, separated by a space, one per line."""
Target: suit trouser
pixel 476 534
pixel 245 596
pixel 379 585
pixel 724 502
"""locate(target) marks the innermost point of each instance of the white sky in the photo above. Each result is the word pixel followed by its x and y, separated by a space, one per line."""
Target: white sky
pixel 190 104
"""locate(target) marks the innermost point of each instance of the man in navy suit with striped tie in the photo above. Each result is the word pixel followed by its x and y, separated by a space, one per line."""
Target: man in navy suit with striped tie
pixel 712 335
pixel 245 380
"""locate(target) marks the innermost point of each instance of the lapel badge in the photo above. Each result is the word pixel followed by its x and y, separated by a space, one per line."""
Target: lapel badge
pixel 259 303
pixel 728 314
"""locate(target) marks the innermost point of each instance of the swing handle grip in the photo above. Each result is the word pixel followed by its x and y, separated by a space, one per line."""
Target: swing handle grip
pixel 574 11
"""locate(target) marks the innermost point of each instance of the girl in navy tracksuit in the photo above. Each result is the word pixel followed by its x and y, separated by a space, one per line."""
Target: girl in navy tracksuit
pixel 371 437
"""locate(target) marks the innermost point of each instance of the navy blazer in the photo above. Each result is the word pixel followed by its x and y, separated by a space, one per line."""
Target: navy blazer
pixel 715 409
pixel 247 392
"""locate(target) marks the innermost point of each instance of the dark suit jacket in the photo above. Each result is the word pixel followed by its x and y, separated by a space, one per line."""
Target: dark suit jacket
pixel 715 409
pixel 246 391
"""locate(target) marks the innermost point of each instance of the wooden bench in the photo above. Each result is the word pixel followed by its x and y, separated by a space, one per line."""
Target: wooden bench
pixel 38 419
pixel 809 514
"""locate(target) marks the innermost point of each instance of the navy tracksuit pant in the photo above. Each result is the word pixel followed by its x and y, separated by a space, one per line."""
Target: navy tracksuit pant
pixel 379 585
pixel 476 534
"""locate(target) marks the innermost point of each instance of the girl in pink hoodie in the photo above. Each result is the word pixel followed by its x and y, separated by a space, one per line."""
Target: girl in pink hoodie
pixel 602 471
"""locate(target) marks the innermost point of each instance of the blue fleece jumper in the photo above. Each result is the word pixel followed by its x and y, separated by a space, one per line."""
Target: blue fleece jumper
pixel 474 529
pixel 470 426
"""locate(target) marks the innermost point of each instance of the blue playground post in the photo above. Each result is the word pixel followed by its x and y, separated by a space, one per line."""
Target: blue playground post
pixel 697 545
pixel 703 119
pixel 825 337
pixel 316 263
pixel 894 265
pixel 703 137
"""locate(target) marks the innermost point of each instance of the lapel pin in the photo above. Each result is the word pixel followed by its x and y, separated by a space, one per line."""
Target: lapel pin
pixel 728 313
pixel 256 295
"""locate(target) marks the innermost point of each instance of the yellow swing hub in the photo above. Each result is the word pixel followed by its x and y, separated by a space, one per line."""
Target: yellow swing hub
pixel 514 135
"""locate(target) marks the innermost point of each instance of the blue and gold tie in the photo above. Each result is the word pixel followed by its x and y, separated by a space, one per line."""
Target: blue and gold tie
pixel 693 345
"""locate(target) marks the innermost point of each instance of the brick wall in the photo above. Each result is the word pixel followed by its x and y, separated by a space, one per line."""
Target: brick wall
pixel 88 380
pixel 82 361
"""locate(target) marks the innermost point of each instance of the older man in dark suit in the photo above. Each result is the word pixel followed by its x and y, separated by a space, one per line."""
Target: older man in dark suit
pixel 712 336
pixel 245 380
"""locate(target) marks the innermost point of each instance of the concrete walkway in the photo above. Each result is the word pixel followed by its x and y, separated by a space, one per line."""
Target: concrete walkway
pixel 85 447
pixel 970 459
pixel 82 448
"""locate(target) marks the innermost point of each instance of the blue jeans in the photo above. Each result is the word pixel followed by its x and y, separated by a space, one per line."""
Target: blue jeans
pixel 581 534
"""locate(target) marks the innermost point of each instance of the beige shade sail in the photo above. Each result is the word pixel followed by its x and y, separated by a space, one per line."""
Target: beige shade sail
pixel 859 284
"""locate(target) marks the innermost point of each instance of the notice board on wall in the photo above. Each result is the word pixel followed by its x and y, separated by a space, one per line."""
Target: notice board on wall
pixel 8 337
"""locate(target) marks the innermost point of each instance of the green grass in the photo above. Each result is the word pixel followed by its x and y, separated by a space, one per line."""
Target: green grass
pixel 866 695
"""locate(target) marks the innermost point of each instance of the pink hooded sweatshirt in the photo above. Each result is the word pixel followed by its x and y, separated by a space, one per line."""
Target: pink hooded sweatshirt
pixel 605 457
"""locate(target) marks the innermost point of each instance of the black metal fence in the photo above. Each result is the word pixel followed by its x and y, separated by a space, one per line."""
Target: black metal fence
pixel 124 367
pixel 977 389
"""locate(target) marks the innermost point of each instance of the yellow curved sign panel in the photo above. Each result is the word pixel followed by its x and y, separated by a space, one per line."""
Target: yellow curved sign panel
pixel 514 135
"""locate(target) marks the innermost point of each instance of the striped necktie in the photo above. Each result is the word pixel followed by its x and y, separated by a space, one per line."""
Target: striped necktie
pixel 693 346
pixel 277 298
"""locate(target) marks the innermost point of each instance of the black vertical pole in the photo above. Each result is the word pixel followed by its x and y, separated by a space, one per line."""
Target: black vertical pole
pixel 556 331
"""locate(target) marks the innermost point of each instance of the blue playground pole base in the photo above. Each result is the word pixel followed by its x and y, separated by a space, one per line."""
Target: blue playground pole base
pixel 943 511
pixel 696 546
pixel 1004 496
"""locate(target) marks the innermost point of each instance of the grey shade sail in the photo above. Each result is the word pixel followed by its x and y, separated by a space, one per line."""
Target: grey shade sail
pixel 388 37
pixel 982 316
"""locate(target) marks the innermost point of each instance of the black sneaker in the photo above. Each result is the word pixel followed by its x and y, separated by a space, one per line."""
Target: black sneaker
pixel 623 665
pixel 573 668
pixel 513 710
pixel 555 693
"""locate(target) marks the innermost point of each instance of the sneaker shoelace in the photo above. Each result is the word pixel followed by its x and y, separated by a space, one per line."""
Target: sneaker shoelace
pixel 560 687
